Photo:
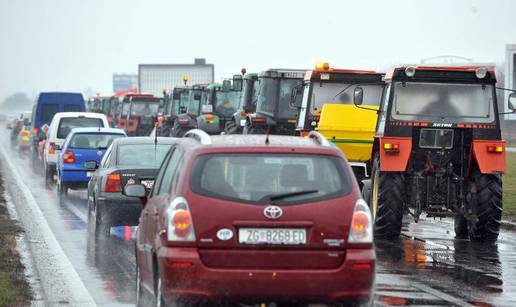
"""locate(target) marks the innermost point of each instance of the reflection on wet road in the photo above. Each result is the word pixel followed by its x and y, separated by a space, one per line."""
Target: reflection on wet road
pixel 426 266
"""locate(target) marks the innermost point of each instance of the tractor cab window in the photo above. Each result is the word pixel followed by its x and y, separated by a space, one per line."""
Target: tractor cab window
pixel 443 102
pixel 226 103
pixel 339 93
pixel 145 107
pixel 276 93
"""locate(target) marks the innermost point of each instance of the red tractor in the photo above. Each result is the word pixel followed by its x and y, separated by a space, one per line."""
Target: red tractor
pixel 438 150
pixel 139 114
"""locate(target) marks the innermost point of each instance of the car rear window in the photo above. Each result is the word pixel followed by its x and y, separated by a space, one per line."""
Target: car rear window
pixel 48 110
pixel 93 140
pixel 142 154
pixel 281 179
pixel 68 123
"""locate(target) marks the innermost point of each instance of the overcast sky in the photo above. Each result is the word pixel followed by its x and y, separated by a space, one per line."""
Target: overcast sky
pixel 75 45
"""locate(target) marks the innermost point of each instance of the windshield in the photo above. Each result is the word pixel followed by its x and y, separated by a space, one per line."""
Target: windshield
pixel 193 105
pixel 278 91
pixel 145 107
pixel 93 140
pixel 226 103
pixel 142 154
pixel 342 93
pixel 257 178
pixel 68 123
pixel 443 102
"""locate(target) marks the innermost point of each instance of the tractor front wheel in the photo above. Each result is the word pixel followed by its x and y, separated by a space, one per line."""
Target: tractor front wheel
pixel 386 202
pixel 486 202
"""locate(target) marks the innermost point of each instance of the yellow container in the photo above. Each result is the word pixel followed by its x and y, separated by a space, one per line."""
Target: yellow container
pixel 350 128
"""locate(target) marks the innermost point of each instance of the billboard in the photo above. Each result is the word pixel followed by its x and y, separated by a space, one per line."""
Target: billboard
pixel 153 78
pixel 124 82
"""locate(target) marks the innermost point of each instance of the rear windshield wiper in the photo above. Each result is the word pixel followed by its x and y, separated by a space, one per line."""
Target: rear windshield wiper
pixel 270 198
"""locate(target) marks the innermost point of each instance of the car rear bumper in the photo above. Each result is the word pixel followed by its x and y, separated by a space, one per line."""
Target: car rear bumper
pixel 120 209
pixel 186 278
pixel 79 176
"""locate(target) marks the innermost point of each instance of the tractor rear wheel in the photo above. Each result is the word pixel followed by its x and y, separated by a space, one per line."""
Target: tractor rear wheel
pixel 486 202
pixel 386 202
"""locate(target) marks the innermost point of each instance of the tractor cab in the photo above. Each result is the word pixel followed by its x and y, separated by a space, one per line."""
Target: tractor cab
pixel 274 111
pixel 189 109
pixel 246 102
pixel 172 107
pixel 438 150
pixel 138 114
pixel 218 103
pixel 327 106
pixel 104 105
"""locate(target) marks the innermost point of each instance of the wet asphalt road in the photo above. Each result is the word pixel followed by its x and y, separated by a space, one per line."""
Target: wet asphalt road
pixel 427 266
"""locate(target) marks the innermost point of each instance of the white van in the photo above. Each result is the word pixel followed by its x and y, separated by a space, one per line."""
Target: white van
pixel 62 123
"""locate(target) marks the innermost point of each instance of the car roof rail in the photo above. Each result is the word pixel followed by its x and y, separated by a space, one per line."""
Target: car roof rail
pixel 319 138
pixel 199 135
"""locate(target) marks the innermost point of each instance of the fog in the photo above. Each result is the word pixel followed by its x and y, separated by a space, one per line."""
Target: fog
pixel 78 45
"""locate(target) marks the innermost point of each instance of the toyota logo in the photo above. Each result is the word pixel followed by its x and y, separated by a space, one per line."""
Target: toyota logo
pixel 273 212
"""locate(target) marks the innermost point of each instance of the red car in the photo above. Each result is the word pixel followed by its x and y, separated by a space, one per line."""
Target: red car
pixel 254 219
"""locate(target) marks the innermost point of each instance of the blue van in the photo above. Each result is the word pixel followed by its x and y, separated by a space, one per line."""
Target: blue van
pixel 46 106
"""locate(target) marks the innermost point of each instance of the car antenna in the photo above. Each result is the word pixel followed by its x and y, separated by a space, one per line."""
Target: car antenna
pixel 267 135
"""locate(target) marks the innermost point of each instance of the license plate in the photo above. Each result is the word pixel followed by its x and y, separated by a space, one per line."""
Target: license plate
pixel 90 164
pixel 277 236
pixel 89 174
pixel 147 183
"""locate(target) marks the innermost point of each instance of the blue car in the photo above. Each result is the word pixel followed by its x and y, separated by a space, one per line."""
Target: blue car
pixel 80 156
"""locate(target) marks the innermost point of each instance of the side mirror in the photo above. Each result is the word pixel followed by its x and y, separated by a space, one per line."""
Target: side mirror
pixel 136 190
pixel 238 83
pixel 226 85
pixel 358 95
pixel 512 102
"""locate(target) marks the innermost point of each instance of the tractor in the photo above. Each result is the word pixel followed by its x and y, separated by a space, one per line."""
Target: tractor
pixel 189 110
pixel 327 106
pixel 139 113
pixel 246 104
pixel 104 104
pixel 275 114
pixel 218 104
pixel 173 106
pixel 438 150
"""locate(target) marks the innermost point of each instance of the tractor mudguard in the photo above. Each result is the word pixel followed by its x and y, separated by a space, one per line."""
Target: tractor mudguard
pixel 394 153
pixel 489 155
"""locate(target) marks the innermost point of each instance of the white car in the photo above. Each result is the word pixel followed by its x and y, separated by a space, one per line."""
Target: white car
pixel 62 123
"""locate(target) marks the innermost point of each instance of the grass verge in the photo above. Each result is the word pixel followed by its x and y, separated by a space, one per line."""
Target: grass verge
pixel 509 187
pixel 14 288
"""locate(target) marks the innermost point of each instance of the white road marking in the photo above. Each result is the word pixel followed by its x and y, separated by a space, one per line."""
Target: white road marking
pixel 60 281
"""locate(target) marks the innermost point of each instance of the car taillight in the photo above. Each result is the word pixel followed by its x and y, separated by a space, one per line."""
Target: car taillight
pixel 113 183
pixel 68 157
pixel 35 131
pixel 391 147
pixel 361 230
pixel 495 148
pixel 179 221
pixel 52 148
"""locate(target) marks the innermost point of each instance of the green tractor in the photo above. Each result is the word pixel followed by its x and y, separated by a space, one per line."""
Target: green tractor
pixel 189 108
pixel 218 104
pixel 248 86
pixel 275 114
